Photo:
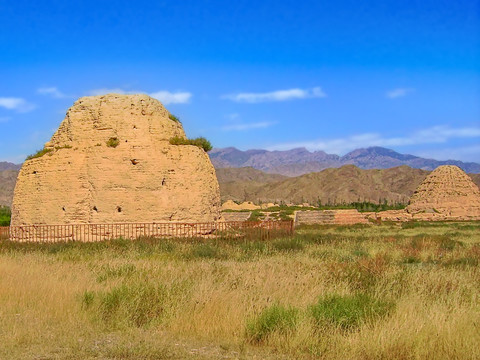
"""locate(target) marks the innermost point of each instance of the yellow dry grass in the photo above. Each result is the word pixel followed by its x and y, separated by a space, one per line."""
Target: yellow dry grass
pixel 154 299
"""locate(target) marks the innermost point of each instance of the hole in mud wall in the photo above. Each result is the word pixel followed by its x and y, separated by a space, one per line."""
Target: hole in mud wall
pixel 163 181
pixel 63 208
pixel 34 172
pixel 95 208
pixel 119 209
pixel 134 161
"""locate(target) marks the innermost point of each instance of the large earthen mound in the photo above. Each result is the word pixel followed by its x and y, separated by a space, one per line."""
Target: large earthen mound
pixel 446 192
pixel 111 161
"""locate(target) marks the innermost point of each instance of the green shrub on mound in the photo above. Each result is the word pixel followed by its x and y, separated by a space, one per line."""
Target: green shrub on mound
pixel 174 118
pixel 113 142
pixel 39 153
pixel 201 142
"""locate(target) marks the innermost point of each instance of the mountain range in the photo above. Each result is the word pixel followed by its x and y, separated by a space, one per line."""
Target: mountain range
pixel 300 161
pixel 9 166
pixel 330 186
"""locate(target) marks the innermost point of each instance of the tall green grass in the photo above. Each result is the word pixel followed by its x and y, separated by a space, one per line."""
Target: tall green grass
pixel 134 302
pixel 5 215
pixel 276 318
pixel 348 311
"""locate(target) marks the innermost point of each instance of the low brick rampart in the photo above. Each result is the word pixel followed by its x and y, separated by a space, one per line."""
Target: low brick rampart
pixel 327 217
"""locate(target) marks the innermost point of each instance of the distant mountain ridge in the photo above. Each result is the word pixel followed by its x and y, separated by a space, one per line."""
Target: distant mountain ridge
pixel 9 166
pixel 300 161
pixel 330 186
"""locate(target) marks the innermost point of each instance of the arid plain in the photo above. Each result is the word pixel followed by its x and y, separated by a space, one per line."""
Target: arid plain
pixel 335 292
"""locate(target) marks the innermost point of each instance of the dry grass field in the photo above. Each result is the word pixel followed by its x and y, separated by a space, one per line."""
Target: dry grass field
pixel 359 292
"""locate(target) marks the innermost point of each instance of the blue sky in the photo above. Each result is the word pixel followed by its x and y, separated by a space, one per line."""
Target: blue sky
pixel 330 76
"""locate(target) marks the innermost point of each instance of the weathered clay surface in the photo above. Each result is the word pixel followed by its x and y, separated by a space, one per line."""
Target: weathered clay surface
pixel 446 193
pixel 143 179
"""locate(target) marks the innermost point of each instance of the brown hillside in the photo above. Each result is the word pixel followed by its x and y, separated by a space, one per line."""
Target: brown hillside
pixel 347 184
pixel 7 184
pixel 336 185
pixel 475 178
pixel 239 183
pixel 226 175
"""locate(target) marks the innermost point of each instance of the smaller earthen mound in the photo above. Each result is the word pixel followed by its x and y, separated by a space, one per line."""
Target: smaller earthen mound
pixel 268 205
pixel 231 205
pixel 447 192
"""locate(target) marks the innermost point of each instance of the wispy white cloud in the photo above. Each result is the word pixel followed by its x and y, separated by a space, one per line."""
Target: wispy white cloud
pixel 433 135
pixel 248 126
pixel 165 97
pixel 233 117
pixel 235 123
pixel 440 134
pixel 11 103
pixel 278 95
pixel 53 92
pixel 466 153
pixel 17 104
pixel 399 92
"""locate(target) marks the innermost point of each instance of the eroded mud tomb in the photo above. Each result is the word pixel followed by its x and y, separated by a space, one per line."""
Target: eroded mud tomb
pixel 111 161
pixel 446 192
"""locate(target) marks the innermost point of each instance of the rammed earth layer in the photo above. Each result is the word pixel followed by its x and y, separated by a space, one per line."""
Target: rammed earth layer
pixel 142 179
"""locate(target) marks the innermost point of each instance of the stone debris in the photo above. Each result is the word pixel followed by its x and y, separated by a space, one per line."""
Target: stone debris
pixel 111 161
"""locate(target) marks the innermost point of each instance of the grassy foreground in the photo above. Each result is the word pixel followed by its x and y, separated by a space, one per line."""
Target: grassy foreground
pixel 374 292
